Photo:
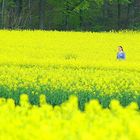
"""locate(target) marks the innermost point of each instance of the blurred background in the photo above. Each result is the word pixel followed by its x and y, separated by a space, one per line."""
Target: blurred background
pixel 77 15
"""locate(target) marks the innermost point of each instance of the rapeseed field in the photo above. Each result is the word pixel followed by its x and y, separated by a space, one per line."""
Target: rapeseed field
pixel 69 85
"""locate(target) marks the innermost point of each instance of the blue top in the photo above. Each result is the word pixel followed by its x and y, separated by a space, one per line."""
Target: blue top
pixel 121 55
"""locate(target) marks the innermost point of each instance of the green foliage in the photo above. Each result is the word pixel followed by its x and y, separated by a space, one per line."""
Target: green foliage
pixel 120 1
pixel 84 5
pixel 89 15
pixel 8 3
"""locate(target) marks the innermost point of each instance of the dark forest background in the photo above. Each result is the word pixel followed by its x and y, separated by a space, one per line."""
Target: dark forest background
pixel 78 15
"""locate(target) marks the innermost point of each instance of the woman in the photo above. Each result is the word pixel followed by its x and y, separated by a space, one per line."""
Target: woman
pixel 120 54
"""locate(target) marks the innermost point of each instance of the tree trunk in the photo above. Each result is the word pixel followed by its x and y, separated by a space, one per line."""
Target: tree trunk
pixel 66 15
pixel 19 7
pixel 42 14
pixel 137 11
pixel 119 15
pixel 105 8
pixel 3 14
pixel 30 13
pixel 81 17
pixel 128 15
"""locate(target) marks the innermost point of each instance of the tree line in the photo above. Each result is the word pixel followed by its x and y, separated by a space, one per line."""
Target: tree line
pixel 80 15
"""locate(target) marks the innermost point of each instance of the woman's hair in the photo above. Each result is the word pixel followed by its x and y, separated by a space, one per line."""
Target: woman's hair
pixel 121 47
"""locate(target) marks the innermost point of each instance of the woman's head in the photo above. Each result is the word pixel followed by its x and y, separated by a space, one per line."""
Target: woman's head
pixel 120 48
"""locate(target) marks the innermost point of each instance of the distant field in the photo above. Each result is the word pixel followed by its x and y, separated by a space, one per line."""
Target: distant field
pixel 59 64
